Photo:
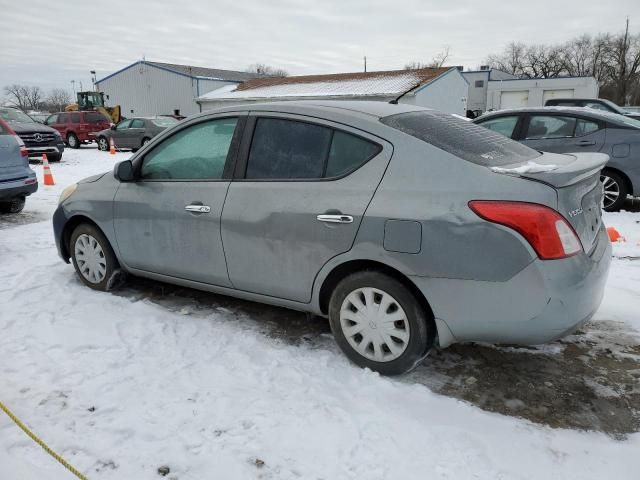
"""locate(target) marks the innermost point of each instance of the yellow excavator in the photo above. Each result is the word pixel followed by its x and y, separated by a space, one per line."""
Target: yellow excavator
pixel 95 101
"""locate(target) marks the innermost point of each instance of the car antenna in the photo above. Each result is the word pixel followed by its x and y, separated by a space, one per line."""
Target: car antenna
pixel 395 100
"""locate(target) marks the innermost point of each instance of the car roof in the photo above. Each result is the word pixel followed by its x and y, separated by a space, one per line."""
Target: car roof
pixel 362 107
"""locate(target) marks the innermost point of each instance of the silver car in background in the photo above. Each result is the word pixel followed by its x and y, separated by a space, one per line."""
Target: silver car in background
pixel 568 129
pixel 404 226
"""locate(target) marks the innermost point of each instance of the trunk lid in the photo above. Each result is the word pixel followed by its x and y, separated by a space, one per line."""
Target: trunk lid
pixel 576 179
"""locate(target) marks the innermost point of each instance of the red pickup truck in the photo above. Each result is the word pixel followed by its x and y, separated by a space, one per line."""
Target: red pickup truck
pixel 77 128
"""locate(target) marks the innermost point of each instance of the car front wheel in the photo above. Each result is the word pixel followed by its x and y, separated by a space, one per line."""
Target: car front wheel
pixel 92 257
pixel 378 323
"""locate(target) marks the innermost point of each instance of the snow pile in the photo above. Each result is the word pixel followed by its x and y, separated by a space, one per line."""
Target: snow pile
pixel 121 387
pixel 529 167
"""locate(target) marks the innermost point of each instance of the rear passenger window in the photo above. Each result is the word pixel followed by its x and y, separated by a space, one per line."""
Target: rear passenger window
pixel 585 127
pixel 95 117
pixel 75 118
pixel 288 149
pixel 503 125
pixel 547 126
pixel 137 123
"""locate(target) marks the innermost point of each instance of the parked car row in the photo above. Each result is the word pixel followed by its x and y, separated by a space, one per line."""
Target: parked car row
pixel 567 130
pixel 404 226
pixel 17 180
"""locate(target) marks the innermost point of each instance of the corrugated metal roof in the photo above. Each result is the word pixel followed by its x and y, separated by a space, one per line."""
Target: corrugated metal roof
pixel 386 83
pixel 213 73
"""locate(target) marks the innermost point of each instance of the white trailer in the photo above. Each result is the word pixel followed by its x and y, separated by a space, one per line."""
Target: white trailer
pixel 534 92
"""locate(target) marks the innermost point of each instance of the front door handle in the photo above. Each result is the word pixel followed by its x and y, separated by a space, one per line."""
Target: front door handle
pixel 585 143
pixel 198 208
pixel 335 218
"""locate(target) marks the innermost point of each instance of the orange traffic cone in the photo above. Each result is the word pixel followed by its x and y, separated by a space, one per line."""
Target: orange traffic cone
pixel 112 147
pixel 614 235
pixel 48 176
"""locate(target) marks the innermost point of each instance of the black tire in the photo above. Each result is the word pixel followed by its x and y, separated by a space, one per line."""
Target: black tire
pixel 15 205
pixel 614 182
pixel 72 140
pixel 103 144
pixel 112 267
pixel 421 325
pixel 54 158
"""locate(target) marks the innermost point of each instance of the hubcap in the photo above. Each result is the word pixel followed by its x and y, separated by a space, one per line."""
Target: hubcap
pixel 102 143
pixel 72 141
pixel 90 258
pixel 374 324
pixel 611 191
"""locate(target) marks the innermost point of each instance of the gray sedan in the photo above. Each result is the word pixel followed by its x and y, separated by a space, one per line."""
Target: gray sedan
pixel 404 226
pixel 133 133
pixel 566 129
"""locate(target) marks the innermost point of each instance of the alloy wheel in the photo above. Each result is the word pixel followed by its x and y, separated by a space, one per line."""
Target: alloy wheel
pixel 90 258
pixel 103 145
pixel 374 324
pixel 611 190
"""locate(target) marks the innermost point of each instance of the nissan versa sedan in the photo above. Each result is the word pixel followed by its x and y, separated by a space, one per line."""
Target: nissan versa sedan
pixel 133 133
pixel 566 129
pixel 404 226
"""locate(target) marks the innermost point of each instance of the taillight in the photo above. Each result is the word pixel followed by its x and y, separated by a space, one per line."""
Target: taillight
pixel 23 150
pixel 546 230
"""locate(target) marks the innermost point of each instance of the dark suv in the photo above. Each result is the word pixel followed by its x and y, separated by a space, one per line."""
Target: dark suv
pixel 594 103
pixel 78 127
pixel 38 138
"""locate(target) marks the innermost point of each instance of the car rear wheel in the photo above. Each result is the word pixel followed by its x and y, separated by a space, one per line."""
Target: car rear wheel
pixel 15 205
pixel 72 141
pixel 615 191
pixel 103 144
pixel 92 257
pixel 379 324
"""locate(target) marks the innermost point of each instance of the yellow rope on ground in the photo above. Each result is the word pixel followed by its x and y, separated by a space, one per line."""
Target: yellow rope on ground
pixel 41 443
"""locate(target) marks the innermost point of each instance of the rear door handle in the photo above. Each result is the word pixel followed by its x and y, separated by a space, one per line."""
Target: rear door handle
pixel 198 208
pixel 335 218
pixel 585 143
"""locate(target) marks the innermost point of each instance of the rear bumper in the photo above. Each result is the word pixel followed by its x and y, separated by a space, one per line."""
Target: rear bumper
pixel 545 301
pixel 18 188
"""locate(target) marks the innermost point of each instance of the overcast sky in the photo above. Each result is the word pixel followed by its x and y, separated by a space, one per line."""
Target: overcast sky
pixel 49 43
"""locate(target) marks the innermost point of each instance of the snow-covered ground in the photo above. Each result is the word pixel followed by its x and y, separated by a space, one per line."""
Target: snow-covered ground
pixel 122 386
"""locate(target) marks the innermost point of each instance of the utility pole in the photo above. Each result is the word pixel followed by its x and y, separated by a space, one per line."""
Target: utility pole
pixel 365 64
pixel 73 87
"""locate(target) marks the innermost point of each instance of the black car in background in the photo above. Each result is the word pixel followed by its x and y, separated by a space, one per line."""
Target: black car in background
pixel 134 132
pixel 37 138
pixel 595 103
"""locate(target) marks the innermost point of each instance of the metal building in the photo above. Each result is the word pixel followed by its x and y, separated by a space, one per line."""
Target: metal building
pixel 152 88
pixel 443 89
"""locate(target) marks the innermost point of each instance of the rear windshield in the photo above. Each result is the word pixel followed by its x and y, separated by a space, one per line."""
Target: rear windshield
pixel 464 139
pixel 164 121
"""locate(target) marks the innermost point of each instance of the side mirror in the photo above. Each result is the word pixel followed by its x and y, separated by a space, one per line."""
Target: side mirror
pixel 112 126
pixel 123 171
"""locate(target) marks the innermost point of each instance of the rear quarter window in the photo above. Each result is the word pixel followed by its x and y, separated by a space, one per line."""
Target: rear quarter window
pixel 463 139
pixel 95 117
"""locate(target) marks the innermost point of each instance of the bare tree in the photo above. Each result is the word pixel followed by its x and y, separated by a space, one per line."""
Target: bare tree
pixel 34 97
pixel 58 99
pixel 415 65
pixel 511 60
pixel 267 70
pixel 17 95
pixel 624 68
pixel 440 58
pixel 542 61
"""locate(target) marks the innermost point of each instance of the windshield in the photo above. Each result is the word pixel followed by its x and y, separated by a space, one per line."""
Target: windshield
pixel 14 115
pixel 466 140
pixel 164 121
